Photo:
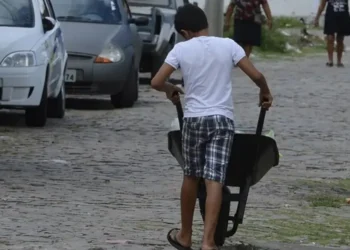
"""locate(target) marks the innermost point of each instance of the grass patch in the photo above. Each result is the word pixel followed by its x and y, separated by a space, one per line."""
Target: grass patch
pixel 275 43
pixel 326 201
pixel 299 225
pixel 330 230
pixel 327 193
pixel 323 218
pixel 287 22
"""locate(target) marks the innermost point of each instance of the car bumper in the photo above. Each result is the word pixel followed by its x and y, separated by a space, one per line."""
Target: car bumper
pixel 96 78
pixel 21 87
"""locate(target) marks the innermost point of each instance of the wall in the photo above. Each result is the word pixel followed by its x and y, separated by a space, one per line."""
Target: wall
pixel 284 7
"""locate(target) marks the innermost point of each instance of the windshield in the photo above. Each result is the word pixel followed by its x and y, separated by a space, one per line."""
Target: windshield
pixel 87 11
pixel 16 13
pixel 162 3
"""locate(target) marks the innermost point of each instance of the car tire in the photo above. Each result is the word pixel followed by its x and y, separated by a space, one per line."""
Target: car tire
pixel 57 106
pixel 158 61
pixel 130 92
pixel 37 116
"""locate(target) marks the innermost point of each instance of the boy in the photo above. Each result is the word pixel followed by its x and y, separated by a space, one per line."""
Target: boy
pixel 206 64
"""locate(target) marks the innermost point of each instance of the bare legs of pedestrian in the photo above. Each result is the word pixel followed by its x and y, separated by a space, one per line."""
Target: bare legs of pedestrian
pixel 212 211
pixel 248 50
pixel 330 49
pixel 188 202
pixel 340 50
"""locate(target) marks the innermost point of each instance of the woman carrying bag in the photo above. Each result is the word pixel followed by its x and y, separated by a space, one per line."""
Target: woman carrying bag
pixel 248 20
pixel 337 26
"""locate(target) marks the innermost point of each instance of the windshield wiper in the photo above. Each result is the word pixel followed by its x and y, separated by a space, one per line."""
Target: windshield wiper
pixel 70 18
pixel 78 19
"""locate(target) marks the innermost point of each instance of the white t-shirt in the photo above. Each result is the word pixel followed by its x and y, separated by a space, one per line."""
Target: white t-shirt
pixel 206 64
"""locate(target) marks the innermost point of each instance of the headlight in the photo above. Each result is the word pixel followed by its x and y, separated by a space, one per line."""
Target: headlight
pixel 19 59
pixel 110 54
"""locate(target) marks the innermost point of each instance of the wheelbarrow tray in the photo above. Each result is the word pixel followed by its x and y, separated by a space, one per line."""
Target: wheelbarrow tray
pixel 251 156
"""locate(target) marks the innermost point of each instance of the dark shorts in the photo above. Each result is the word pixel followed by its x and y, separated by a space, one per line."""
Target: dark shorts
pixel 337 25
pixel 247 32
pixel 207 143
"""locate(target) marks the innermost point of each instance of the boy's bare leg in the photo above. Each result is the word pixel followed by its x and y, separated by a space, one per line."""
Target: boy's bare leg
pixel 340 49
pixel 212 211
pixel 330 48
pixel 188 203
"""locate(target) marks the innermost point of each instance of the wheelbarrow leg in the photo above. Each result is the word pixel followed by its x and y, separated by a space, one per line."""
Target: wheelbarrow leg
pixel 242 202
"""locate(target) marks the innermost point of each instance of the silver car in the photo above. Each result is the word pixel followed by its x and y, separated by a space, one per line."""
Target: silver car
pixel 159 36
pixel 104 48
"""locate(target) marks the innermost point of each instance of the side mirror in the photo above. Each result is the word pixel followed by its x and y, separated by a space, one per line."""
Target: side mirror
pixel 140 21
pixel 48 23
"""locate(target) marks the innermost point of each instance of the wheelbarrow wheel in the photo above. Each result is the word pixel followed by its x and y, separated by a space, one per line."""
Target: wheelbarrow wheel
pixel 221 228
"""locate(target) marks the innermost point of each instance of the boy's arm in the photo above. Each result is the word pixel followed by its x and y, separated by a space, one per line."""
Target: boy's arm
pixel 159 81
pixel 321 8
pixel 259 79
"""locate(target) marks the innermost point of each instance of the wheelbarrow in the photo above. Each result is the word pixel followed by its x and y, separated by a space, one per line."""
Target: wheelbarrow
pixel 253 155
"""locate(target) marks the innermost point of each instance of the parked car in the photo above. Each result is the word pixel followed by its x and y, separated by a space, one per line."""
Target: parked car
pixel 32 60
pixel 104 48
pixel 159 36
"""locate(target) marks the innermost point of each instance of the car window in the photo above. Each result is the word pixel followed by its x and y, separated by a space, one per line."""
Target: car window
pixel 161 3
pixel 44 11
pixel 19 13
pixel 50 8
pixel 87 11
pixel 127 9
pixel 179 3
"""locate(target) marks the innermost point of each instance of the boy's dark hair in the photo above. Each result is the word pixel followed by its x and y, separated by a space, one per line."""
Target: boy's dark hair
pixel 191 18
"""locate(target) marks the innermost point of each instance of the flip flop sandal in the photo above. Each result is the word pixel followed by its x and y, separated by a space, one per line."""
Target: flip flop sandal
pixel 173 241
pixel 340 65
pixel 329 64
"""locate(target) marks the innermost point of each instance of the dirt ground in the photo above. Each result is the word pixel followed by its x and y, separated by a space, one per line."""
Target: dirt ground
pixel 104 179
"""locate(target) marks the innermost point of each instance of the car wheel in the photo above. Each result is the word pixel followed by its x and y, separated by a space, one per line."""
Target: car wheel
pixel 57 106
pixel 129 94
pixel 158 61
pixel 37 116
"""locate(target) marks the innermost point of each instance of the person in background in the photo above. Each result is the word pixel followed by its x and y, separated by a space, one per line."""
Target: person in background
pixel 336 26
pixel 247 22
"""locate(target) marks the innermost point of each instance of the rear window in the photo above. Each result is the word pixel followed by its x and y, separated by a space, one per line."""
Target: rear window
pixel 16 13
pixel 87 11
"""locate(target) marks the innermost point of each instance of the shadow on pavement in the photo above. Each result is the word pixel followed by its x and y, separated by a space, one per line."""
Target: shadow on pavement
pixel 88 103
pixel 145 81
pixel 244 247
pixel 11 118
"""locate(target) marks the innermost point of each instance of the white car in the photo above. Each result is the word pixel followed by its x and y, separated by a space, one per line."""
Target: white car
pixel 32 60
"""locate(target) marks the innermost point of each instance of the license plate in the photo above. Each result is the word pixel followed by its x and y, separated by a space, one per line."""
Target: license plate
pixel 71 75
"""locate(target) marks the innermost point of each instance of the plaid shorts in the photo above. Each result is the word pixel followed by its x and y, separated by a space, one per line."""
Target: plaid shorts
pixel 206 146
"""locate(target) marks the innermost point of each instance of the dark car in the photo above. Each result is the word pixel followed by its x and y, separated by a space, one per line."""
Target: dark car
pixel 159 36
pixel 104 48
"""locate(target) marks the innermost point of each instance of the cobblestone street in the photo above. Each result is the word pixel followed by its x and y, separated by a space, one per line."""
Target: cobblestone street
pixel 101 176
